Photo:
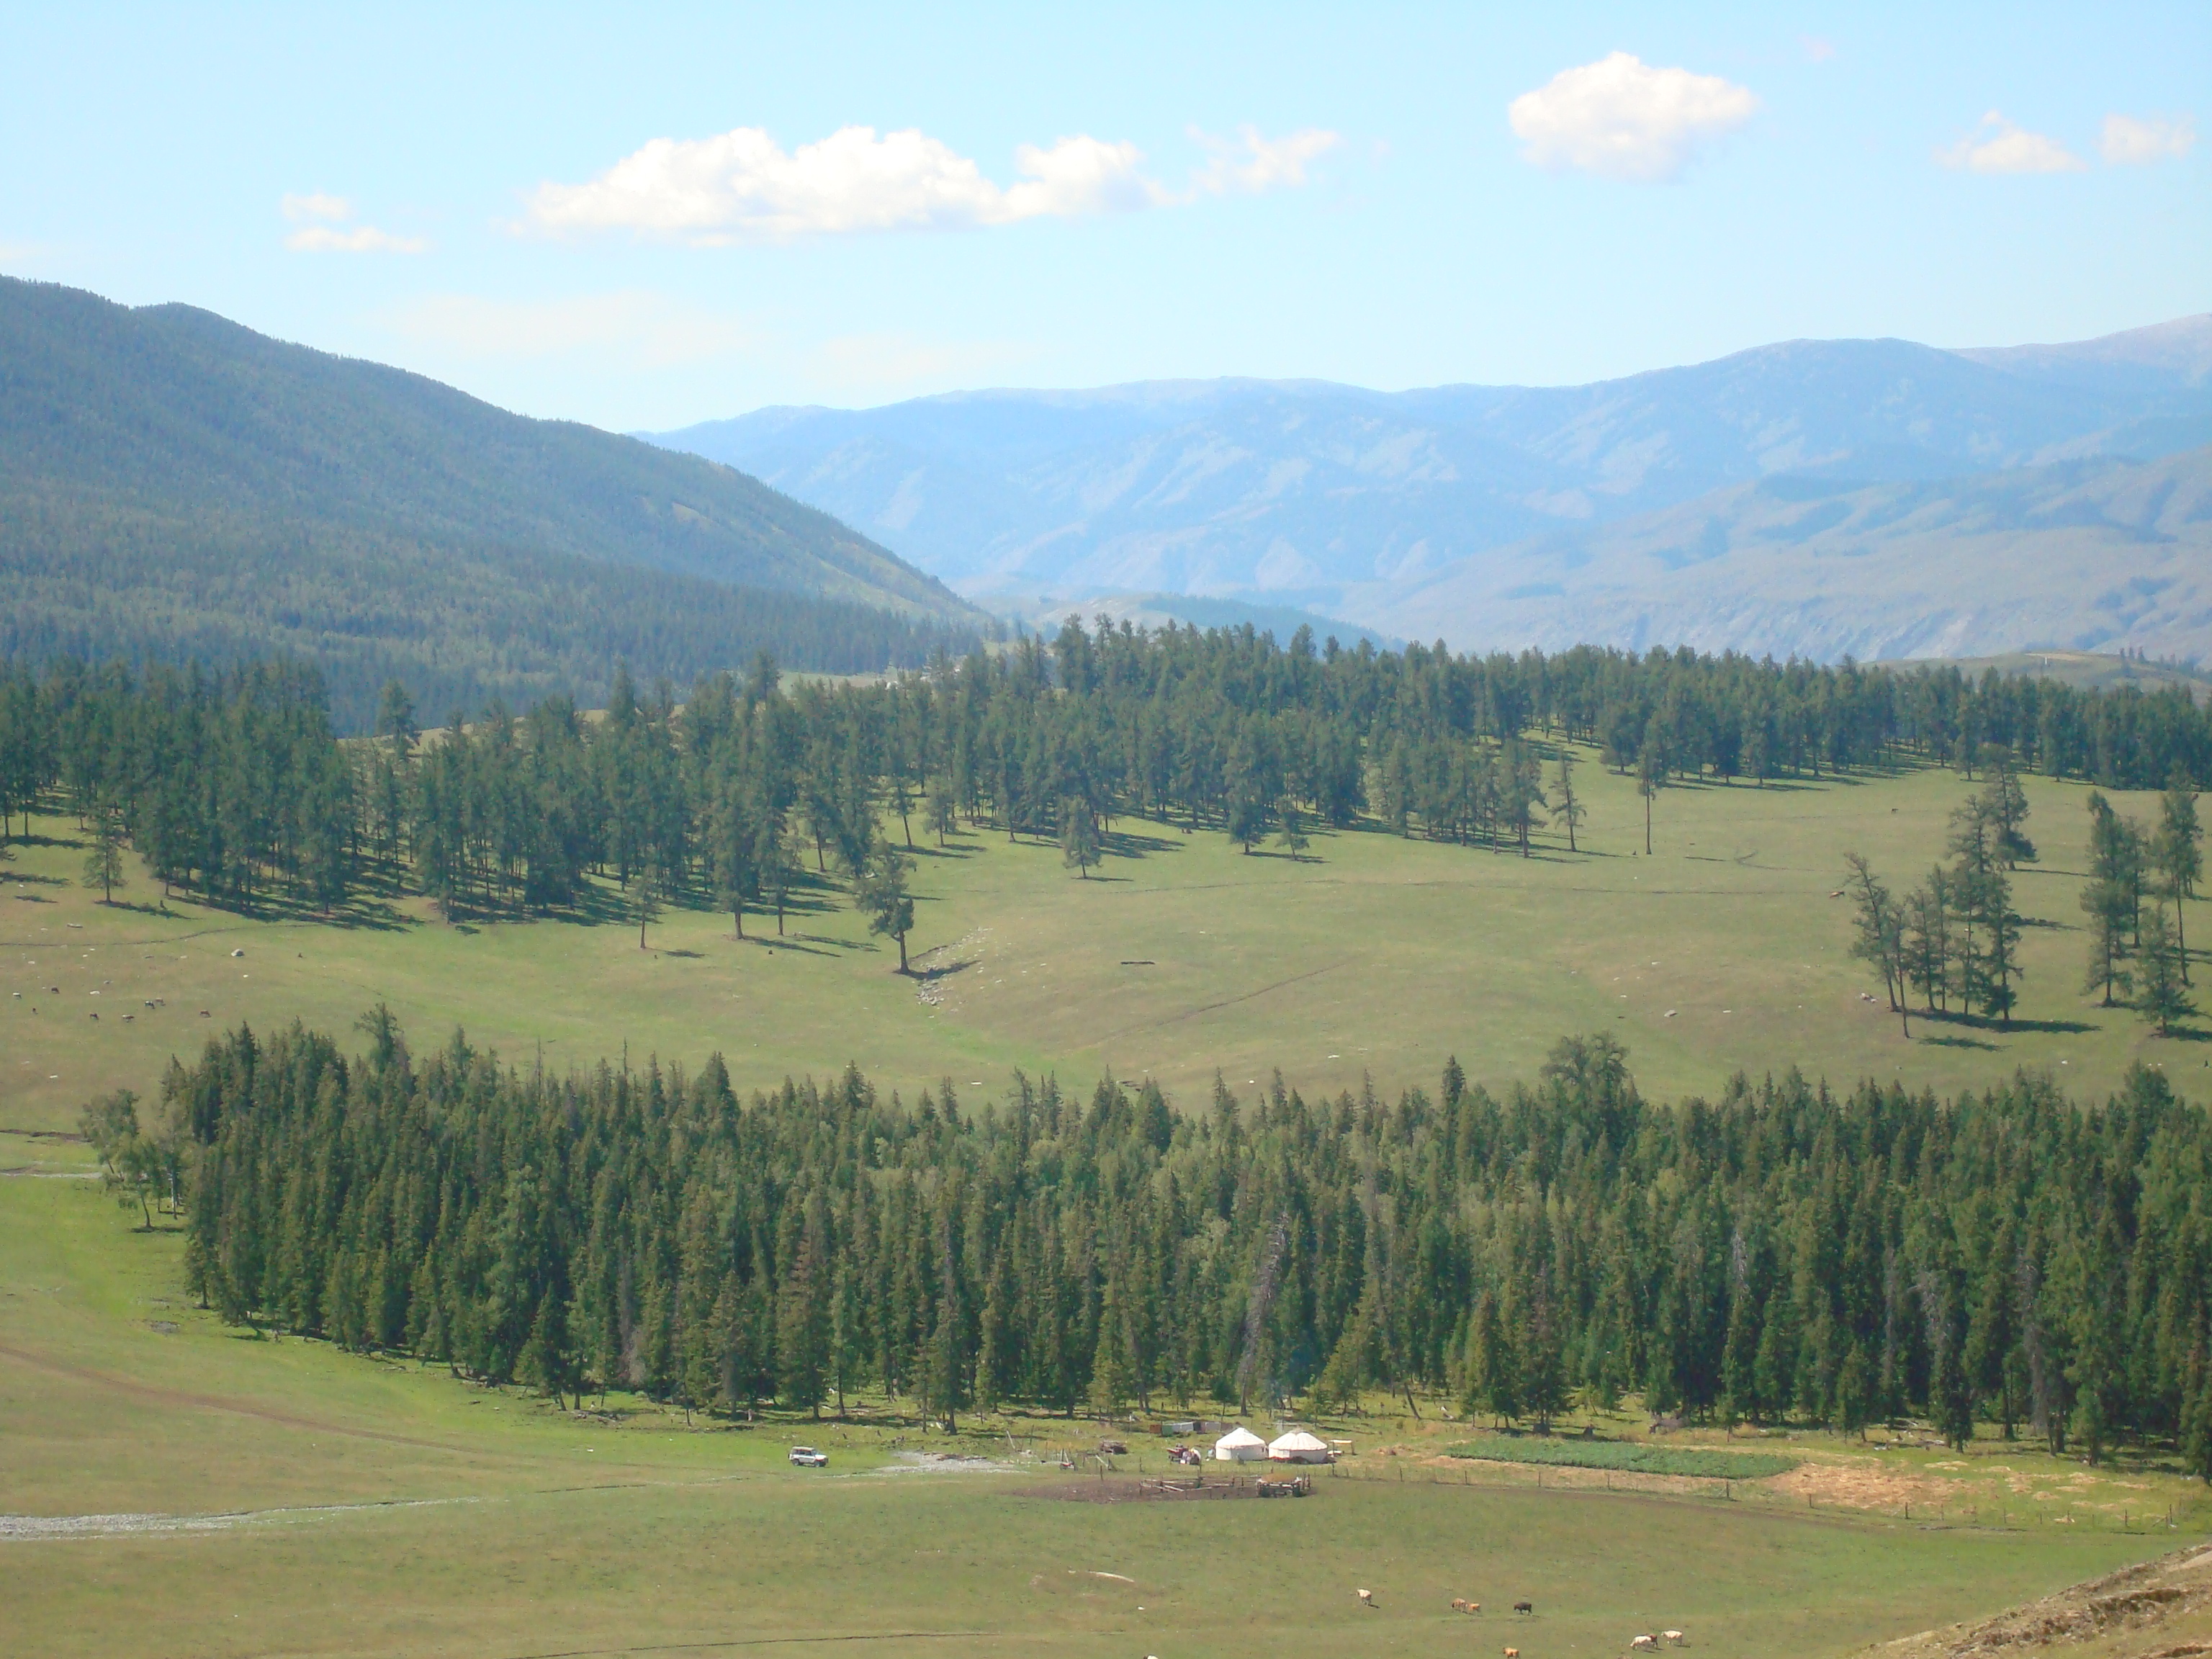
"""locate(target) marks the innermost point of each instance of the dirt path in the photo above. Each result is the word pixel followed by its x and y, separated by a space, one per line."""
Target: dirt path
pixel 26 1527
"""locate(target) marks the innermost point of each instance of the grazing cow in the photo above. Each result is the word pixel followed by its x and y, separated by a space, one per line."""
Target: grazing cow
pixel 1458 1604
pixel 1524 1607
pixel 1512 1653
pixel 1367 1598
pixel 1674 1636
pixel 1643 1645
pixel 1474 1607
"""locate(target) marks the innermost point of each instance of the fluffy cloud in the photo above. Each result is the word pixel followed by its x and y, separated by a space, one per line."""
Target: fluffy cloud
pixel 1996 145
pixel 1622 118
pixel 323 228
pixel 743 187
pixel 2128 141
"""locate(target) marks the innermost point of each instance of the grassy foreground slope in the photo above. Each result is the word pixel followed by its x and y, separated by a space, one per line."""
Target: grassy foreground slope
pixel 1373 957
pixel 337 1505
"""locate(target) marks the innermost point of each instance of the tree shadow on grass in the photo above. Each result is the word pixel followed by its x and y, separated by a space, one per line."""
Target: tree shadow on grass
pixel 1958 1043
pixel 1134 844
pixel 361 913
pixel 939 970
pixel 1953 1018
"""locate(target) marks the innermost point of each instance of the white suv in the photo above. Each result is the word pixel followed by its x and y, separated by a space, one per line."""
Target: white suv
pixel 807 1457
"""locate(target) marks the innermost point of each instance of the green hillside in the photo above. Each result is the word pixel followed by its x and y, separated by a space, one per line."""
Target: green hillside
pixel 174 486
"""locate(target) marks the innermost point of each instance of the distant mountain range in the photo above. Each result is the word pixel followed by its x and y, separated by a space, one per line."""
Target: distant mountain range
pixel 2085 555
pixel 172 485
pixel 1451 510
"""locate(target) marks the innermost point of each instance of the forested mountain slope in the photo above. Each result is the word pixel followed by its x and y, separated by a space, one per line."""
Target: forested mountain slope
pixel 2090 553
pixel 1303 490
pixel 173 485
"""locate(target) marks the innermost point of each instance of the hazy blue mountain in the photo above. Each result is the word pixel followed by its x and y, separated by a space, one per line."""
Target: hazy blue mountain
pixel 1301 493
pixel 2089 554
pixel 174 485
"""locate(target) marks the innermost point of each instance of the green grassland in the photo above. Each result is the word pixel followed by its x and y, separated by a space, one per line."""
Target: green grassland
pixel 493 1524
pixel 489 1523
pixel 1374 955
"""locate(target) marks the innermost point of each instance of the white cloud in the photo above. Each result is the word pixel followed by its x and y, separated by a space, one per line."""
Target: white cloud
pixel 324 229
pixel 1622 118
pixel 1254 163
pixel 743 187
pixel 1996 145
pixel 633 327
pixel 2129 142
pixel 304 209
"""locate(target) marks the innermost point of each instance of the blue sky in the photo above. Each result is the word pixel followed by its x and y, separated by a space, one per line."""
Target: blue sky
pixel 643 217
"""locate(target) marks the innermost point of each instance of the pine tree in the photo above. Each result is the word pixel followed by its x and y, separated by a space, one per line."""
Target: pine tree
pixel 1567 808
pixel 1294 837
pixel 1880 940
pixel 2177 851
pixel 1079 836
pixel 883 897
pixel 2165 998
pixel 2197 1412
pixel 737 837
pixel 645 896
pixel 1928 939
pixel 103 863
pixel 802 1338
pixel 1651 779
pixel 1492 1368
pixel 943 808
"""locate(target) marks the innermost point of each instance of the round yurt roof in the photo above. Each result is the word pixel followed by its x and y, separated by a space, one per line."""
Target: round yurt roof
pixel 1297 1440
pixel 1240 1437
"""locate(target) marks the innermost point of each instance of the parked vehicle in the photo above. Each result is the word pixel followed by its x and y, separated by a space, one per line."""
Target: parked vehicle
pixel 807 1457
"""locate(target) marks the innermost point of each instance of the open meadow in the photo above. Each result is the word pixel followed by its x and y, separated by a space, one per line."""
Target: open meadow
pixel 333 1503
pixel 1373 956
pixel 245 1496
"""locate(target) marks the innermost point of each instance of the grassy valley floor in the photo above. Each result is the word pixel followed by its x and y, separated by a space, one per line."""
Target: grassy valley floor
pixel 1374 955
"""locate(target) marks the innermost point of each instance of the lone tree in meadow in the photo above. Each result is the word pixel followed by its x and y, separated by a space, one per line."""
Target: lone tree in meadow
pixel 1294 837
pixel 883 899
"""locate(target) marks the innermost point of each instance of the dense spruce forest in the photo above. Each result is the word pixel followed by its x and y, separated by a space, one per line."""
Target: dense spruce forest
pixel 237 788
pixel 2013 1258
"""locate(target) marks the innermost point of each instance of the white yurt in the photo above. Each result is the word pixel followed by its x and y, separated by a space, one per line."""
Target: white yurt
pixel 1297 1447
pixel 1240 1445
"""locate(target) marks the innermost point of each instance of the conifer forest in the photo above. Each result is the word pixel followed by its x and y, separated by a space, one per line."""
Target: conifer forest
pixel 238 786
pixel 1782 1252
